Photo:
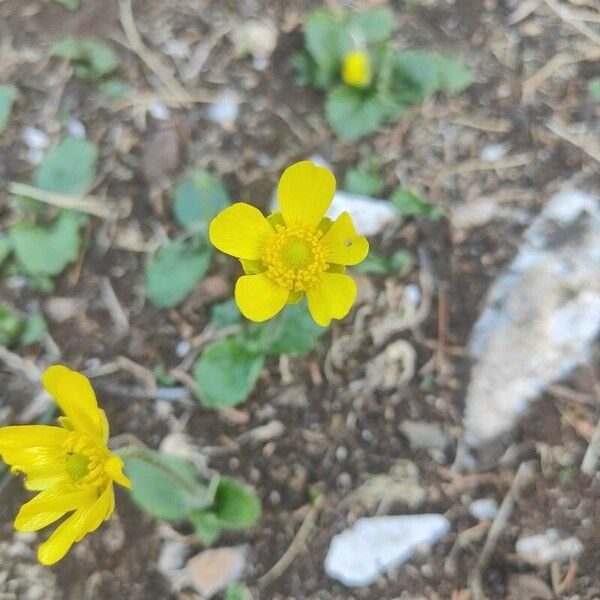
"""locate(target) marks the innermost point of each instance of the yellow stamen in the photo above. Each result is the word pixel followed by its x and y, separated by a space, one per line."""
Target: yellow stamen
pixel 295 257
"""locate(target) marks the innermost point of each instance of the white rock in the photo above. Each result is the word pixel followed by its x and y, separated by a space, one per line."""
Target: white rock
pixel 177 48
pixel 35 138
pixel 484 508
pixel 374 545
pixel 225 110
pixel 493 152
pixel 172 556
pixel 540 318
pixel 547 547
pixel 257 38
pixel 424 435
pixel 370 215
pixel 160 111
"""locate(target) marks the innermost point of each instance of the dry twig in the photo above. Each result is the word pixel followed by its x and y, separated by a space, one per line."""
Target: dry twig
pixel 522 478
pixel 566 15
pixel 90 205
pixel 296 546
pixel 153 62
pixel 562 132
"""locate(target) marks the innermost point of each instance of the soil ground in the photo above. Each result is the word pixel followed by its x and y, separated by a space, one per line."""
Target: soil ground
pixel 337 434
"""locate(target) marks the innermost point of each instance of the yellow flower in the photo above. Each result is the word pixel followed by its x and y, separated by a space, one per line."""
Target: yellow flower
pixel 356 70
pixel 293 252
pixel 70 466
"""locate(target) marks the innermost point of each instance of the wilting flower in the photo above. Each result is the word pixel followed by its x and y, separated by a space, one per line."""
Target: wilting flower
pixel 356 70
pixel 298 251
pixel 70 465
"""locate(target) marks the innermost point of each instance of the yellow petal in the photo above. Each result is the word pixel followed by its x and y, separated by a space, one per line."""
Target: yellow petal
pixel 83 521
pixel 240 230
pixel 331 298
pixel 114 469
pixel 75 396
pixel 26 459
pixel 37 522
pixel 104 427
pixel 342 244
pixel 305 193
pixel 39 479
pixel 26 436
pixel 57 499
pixel 50 505
pixel 258 297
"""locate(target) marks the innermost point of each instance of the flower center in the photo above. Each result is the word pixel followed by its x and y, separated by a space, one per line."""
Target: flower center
pixel 295 257
pixel 84 459
pixel 77 465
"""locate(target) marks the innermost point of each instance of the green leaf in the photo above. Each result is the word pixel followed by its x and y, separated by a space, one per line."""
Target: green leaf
pixel 5 247
pixel 226 372
pixel 376 25
pixel 327 41
pixel 453 75
pixel 236 506
pixel 115 89
pixel 353 113
pixel 363 182
pixel 165 486
pixel 236 591
pixel 294 332
pixel 91 59
pixel 225 314
pixel 413 76
pixel 68 168
pixel 34 329
pixel 401 260
pixel 410 204
pixel 305 68
pixel 162 376
pixel 374 264
pixel 594 88
pixel 8 94
pixel 10 326
pixel 70 4
pixel 173 272
pixel 47 250
pixel 198 199
pixel 206 526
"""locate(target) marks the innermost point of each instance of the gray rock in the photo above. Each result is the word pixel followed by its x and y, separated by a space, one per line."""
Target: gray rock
pixel 374 545
pixel 424 435
pixel 547 547
pixel 540 318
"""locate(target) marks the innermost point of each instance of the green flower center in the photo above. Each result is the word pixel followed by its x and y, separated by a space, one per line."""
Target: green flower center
pixel 77 466
pixel 84 460
pixel 298 254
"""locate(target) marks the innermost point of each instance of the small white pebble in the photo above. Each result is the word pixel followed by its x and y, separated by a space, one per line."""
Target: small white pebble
pixel 76 128
pixel 159 111
pixel 35 138
pixel 484 508
pixel 493 152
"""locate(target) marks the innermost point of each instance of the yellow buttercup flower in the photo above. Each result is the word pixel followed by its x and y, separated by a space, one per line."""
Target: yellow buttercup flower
pixel 295 252
pixel 356 70
pixel 70 465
